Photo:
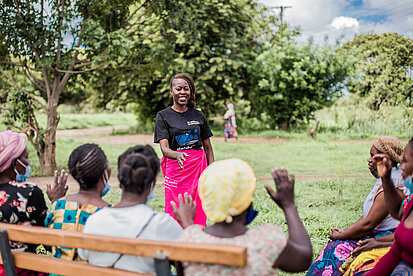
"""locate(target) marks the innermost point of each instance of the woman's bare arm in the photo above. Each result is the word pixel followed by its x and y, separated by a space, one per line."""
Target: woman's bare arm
pixel 364 225
pixel 393 198
pixel 171 154
pixel 208 151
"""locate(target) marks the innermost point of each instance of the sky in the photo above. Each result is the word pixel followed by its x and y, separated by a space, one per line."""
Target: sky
pixel 342 19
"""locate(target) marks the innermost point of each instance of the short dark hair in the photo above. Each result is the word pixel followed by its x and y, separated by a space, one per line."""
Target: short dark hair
pixel 147 151
pixel 87 163
pixel 136 174
pixel 190 81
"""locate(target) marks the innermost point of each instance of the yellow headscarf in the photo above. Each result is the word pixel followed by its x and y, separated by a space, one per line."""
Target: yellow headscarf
pixel 226 189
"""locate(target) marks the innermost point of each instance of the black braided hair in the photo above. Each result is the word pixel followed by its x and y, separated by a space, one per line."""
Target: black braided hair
pixel 147 151
pixel 410 143
pixel 87 163
pixel 135 173
pixel 191 101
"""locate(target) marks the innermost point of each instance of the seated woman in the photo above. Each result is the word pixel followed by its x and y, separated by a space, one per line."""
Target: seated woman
pixel 90 168
pixel 399 260
pixel 226 189
pixel 22 202
pixel 132 217
pixel 373 230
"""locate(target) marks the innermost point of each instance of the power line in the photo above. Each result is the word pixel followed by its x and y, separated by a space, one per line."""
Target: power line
pixel 282 8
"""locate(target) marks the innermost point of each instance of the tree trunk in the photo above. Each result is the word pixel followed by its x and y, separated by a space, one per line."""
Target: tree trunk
pixel 49 150
pixel 284 124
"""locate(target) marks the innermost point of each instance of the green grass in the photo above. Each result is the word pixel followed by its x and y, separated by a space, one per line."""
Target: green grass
pixel 88 120
pixel 304 157
pixel 91 120
pixel 322 202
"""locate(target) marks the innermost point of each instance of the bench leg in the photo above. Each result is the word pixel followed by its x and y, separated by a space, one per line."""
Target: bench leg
pixel 7 257
pixel 162 265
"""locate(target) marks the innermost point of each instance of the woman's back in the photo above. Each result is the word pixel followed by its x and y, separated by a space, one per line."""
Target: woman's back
pixel 68 215
pixel 129 222
pixel 264 245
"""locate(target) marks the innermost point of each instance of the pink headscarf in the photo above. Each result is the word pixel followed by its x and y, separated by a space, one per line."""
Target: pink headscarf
pixel 12 146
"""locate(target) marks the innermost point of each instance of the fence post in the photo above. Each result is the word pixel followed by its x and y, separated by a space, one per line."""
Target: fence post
pixel 162 265
pixel 6 256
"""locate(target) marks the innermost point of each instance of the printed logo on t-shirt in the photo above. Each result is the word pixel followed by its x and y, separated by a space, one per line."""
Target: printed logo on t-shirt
pixel 188 138
pixel 190 123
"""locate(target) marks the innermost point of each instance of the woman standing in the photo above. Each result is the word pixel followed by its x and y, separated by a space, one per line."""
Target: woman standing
pixel 183 134
pixel 230 123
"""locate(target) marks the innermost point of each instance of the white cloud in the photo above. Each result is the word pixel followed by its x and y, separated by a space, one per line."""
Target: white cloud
pixel 332 18
pixel 342 22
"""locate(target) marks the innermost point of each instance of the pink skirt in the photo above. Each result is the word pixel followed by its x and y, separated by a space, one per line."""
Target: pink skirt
pixel 180 181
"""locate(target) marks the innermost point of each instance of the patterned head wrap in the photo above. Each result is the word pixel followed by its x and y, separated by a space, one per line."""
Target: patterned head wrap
pixel 226 189
pixel 12 146
pixel 391 146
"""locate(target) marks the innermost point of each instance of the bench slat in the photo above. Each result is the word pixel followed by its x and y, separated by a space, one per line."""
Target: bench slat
pixel 203 253
pixel 65 267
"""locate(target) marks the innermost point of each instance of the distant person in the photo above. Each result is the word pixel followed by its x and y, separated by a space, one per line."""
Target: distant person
pixel 22 202
pixel 183 134
pixel 230 126
pixel 399 260
pixel 374 230
pixel 227 190
pixel 132 217
pixel 90 168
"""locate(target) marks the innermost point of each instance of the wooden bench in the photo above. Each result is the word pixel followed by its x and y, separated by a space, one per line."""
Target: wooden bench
pixel 161 251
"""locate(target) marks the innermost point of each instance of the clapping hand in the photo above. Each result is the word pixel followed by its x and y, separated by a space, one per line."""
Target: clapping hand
pixel 59 187
pixel 185 212
pixel 284 197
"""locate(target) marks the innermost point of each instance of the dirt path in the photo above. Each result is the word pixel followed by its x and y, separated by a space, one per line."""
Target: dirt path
pixel 140 138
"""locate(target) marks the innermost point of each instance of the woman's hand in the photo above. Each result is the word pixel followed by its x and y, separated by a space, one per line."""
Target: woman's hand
pixel 384 165
pixel 185 213
pixel 334 234
pixel 284 197
pixel 365 245
pixel 180 157
pixel 59 187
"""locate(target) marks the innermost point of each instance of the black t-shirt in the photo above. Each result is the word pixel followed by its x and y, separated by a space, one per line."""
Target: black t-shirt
pixel 184 130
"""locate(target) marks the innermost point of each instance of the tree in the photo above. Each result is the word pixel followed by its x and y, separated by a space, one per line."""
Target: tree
pixel 384 74
pixel 293 81
pixel 46 43
pixel 213 41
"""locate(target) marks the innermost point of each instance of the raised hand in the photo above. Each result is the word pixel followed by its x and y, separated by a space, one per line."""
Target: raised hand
pixel 59 187
pixel 284 197
pixel 384 165
pixel 185 212
pixel 180 157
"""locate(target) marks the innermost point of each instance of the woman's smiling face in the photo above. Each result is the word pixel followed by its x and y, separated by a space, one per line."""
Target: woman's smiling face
pixel 180 92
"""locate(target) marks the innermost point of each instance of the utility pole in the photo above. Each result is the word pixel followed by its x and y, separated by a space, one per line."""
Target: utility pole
pixel 282 8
